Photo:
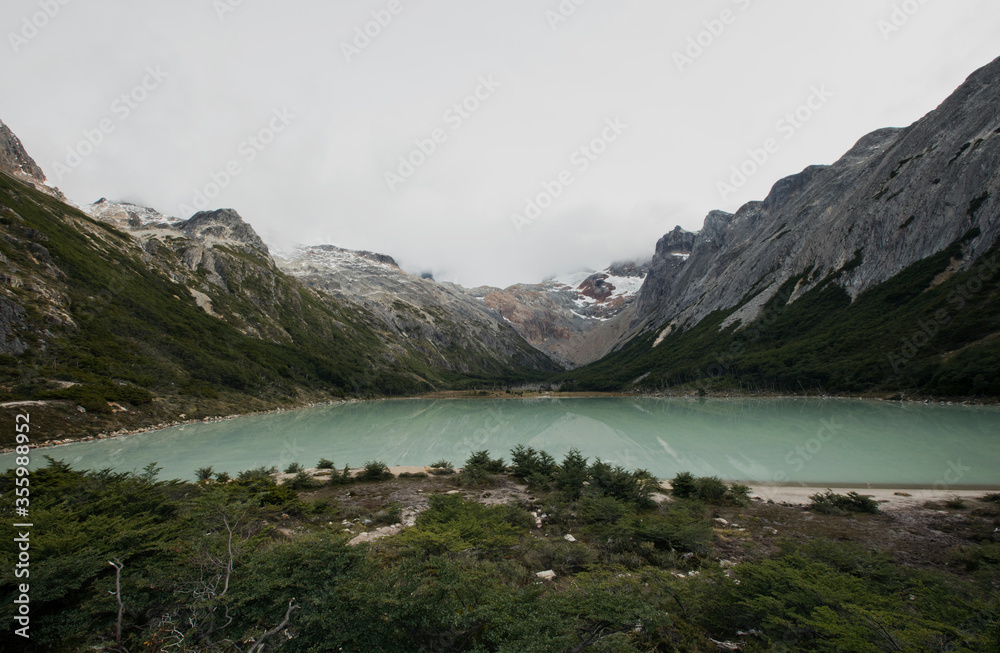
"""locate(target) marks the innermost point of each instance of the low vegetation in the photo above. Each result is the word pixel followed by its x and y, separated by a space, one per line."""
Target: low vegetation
pixel 831 503
pixel 228 564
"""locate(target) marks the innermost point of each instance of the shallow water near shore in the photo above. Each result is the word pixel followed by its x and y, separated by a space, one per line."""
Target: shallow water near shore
pixel 831 442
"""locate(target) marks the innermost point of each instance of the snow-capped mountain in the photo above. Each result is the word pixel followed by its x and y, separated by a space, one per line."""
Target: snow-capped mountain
pixel 560 316
pixel 127 216
pixel 437 318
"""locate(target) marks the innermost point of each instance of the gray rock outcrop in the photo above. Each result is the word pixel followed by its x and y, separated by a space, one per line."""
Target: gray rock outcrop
pixel 898 196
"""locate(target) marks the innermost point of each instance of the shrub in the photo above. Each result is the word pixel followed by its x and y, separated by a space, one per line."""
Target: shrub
pixel 635 487
pixel 992 497
pixel 526 462
pixel 342 477
pixel 442 468
pixel 710 489
pixel 572 474
pixel 293 468
pixel 222 477
pixel 839 504
pixel 683 486
pixel 955 503
pixel 204 473
pixel 389 515
pixel 482 460
pixel 560 556
pixel 257 474
pixel 477 477
pixel 738 494
pixel 683 527
pixel 375 470
pixel 302 481
pixel 260 481
pixel 452 524
pixel 325 464
pixel 600 509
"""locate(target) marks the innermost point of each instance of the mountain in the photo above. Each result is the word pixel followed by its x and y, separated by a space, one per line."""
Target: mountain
pixel 131 318
pixel 560 316
pixel 449 327
pixel 876 272
pixel 15 161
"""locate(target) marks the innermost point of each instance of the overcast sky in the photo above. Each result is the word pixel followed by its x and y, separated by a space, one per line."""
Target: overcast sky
pixel 620 118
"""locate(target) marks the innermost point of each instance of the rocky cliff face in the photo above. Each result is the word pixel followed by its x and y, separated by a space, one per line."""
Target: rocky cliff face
pixel 898 196
pixel 221 260
pixel 15 161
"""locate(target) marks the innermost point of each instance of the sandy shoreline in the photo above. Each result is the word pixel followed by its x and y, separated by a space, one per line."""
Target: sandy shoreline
pixel 798 495
pixel 887 498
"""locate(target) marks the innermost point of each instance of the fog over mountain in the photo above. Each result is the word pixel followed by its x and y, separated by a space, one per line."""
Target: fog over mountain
pixel 305 124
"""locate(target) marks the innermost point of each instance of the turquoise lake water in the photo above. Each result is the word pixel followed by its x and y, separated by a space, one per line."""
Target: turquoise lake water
pixel 810 441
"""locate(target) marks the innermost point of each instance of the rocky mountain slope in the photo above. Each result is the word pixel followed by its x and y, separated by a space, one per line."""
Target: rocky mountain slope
pixel 448 327
pixel 898 196
pixel 14 160
pixel 897 199
pixel 155 319
pixel 562 316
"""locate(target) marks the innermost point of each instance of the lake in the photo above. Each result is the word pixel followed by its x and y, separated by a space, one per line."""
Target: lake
pixel 790 441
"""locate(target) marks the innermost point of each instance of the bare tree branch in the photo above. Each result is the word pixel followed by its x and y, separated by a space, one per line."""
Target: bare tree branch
pixel 117 564
pixel 258 646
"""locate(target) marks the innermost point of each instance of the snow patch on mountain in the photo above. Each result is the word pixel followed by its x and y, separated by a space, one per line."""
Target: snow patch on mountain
pixel 128 216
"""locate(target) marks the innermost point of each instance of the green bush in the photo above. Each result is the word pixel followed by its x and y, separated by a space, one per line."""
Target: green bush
pixel 482 460
pixel 683 486
pixel 681 527
pixel 293 468
pixel 389 515
pixel 635 487
pixel 476 477
pixel 204 473
pixel 955 503
pixel 302 481
pixel 839 504
pixel 325 464
pixel 442 468
pixel 375 470
pixel 594 508
pixel 738 494
pixel 261 473
pixel 572 474
pixel 526 463
pixel 709 489
pixel 452 524
pixel 343 477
